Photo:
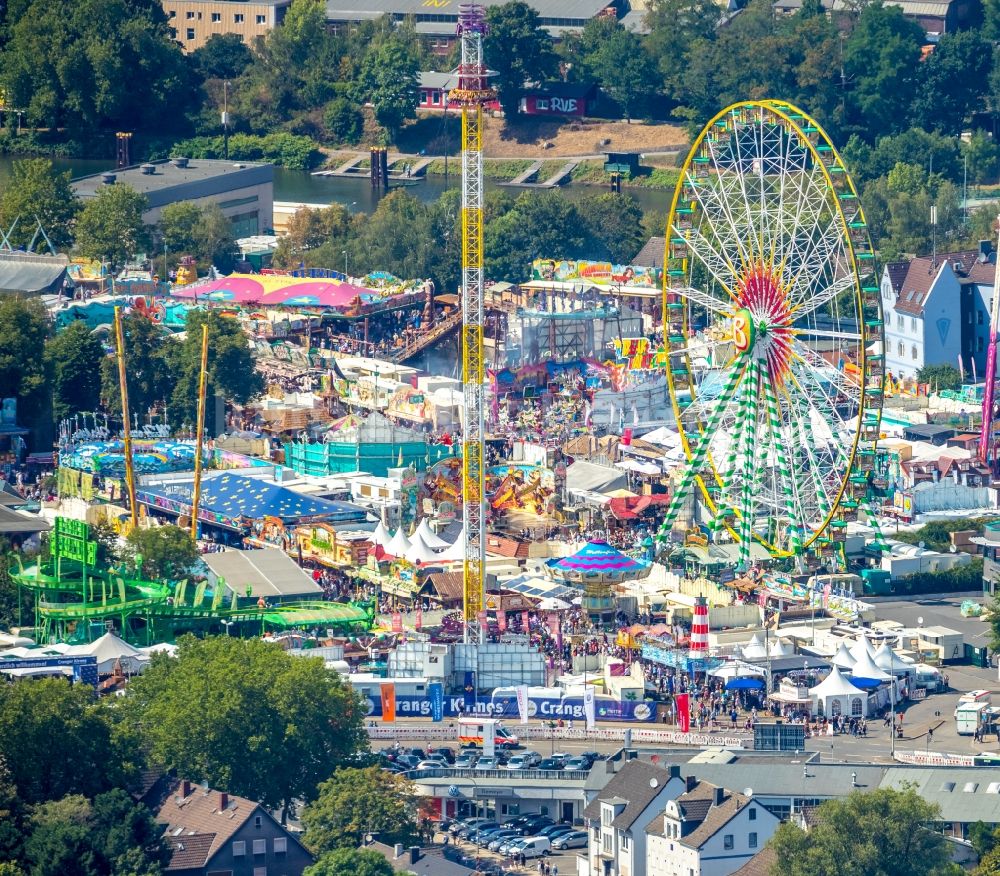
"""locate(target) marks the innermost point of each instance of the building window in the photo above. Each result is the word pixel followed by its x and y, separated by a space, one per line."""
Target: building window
pixel 261 19
pixel 913 352
pixel 624 842
pixel 435 97
pixel 727 841
pixel 979 317
pixel 189 15
pixel 237 202
pixel 752 815
pixel 238 18
pixel 280 845
pixel 913 324
pixel 257 821
pixel 607 813
pixel 899 321
pixel 172 13
pixel 189 33
pixel 216 17
pixel 752 841
pixel 899 347
pixel 606 843
pixel 856 707
pixel 239 848
pixel 260 847
pixel 260 871
pixel 834 708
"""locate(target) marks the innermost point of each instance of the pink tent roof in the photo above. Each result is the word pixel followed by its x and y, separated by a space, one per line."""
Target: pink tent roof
pixel 270 290
pixel 599 556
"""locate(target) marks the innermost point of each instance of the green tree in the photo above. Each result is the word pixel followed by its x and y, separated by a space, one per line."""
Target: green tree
pixel 881 833
pixel 940 377
pixel 37 193
pixel 95 64
pixel 75 357
pixel 16 604
pixel 13 814
pixel 56 740
pixel 168 552
pixel 675 28
pixel 110 226
pixel 881 58
pixel 518 50
pixel 355 802
pixel 24 369
pixel 343 121
pixel 245 716
pixel 224 56
pixel 983 157
pixel 389 83
pixel 231 371
pixel 537 226
pixel 350 862
pixel 952 81
pixel 308 229
pixel 110 836
pixel 614 225
pixel 148 371
pixel 178 226
pixel 617 59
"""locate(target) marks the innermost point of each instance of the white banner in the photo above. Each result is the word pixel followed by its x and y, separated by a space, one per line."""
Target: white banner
pixel 589 707
pixel 489 738
pixel 522 702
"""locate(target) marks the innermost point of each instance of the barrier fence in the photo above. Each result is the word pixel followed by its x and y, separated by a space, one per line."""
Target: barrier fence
pixel 638 735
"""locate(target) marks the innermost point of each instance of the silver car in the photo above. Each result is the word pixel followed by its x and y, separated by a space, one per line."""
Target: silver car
pixel 576 839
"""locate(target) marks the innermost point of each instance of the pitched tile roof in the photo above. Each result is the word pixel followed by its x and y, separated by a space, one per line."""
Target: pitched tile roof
pixel 651 255
pixel 190 851
pixel 199 815
pixel 911 291
pixel 760 864
pixel 920 276
pixel 897 273
pixel 447 585
pixel 698 805
pixel 631 783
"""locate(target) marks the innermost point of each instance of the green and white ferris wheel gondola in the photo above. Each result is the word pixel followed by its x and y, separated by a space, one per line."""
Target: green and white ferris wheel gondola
pixel 773 326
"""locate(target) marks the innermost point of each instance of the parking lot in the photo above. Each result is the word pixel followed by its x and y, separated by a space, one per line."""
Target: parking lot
pixel 562 862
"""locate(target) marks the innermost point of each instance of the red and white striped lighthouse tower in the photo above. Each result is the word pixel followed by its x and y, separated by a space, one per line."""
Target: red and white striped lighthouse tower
pixel 699 628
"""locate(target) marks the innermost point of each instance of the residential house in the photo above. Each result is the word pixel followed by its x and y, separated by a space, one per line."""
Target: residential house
pixel 934 17
pixel 618 816
pixel 937 311
pixel 212 833
pixel 422 861
pixel 707 831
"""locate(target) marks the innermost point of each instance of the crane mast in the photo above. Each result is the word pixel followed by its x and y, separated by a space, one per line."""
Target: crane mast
pixel 471 94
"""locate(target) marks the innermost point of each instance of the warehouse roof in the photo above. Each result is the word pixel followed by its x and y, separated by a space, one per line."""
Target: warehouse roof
pixel 31 272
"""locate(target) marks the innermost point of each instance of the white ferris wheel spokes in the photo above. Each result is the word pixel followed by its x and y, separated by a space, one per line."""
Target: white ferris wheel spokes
pixel 768 259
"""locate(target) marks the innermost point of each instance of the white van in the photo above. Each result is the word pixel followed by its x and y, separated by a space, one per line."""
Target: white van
pixel 535 846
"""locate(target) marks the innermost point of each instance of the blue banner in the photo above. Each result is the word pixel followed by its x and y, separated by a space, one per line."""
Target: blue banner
pixel 436 691
pixel 540 708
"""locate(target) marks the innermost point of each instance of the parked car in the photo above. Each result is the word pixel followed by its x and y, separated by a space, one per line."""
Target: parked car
pixel 575 839
pixel 554 830
pixel 448 754
pixel 535 847
pixel 531 828
pixel 480 824
pixel 499 838
pixel 487 763
pixel 482 837
pixel 577 763
pixel 551 763
pixel 510 846
pixel 409 761
pixel 473 835
pixel 592 756
pixel 431 765
pixel 466 760
pixel 526 760
pixel 466 824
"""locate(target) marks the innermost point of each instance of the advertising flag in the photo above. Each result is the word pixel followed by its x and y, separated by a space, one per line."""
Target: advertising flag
pixel 388 692
pixel 489 738
pixel 525 625
pixel 683 704
pixel 502 621
pixel 397 622
pixel 522 702
pixel 469 688
pixel 589 707
pixel 418 622
pixel 436 692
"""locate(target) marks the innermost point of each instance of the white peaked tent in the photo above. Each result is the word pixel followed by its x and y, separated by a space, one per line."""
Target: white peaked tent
pixel 781 648
pixel 886 660
pixel 862 646
pixel 866 668
pixel 754 649
pixel 419 551
pixel 110 649
pixel 843 658
pixel 835 695
pixel 456 551
pixel 431 538
pixel 399 544
pixel 381 535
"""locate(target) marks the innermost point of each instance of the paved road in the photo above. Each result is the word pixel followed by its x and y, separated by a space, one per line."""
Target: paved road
pixel 936 611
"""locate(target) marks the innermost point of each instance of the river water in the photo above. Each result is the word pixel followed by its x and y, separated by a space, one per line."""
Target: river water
pixel 302 187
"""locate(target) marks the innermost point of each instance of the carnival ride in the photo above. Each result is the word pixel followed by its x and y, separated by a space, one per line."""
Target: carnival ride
pixel 77 596
pixel 767 244
pixel 471 94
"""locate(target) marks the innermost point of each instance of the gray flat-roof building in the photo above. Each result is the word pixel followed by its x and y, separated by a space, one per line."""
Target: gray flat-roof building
pixel 243 190
pixel 436 20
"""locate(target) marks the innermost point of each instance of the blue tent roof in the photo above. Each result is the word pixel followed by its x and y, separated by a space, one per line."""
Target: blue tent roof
pixel 233 496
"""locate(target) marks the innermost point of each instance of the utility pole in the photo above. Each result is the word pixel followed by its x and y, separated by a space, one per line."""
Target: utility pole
pixel 225 120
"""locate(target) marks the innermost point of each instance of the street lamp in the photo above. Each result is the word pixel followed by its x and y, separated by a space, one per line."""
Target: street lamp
pixel 344 254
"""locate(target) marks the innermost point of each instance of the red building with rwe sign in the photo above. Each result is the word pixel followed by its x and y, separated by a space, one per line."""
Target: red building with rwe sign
pixel 558 99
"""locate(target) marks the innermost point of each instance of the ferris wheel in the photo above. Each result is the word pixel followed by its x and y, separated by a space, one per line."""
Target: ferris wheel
pixel 774 335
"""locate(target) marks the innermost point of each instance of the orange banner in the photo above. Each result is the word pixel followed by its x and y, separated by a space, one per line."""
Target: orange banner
pixel 388 692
